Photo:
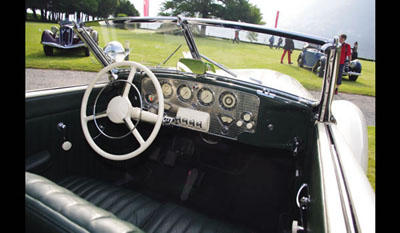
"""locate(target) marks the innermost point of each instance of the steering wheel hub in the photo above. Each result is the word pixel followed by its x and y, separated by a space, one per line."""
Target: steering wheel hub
pixel 118 109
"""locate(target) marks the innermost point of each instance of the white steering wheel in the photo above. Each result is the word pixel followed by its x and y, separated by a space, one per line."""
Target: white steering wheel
pixel 121 111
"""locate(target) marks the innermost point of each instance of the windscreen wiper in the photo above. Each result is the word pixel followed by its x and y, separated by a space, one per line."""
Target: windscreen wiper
pixel 172 54
pixel 222 67
pixel 193 48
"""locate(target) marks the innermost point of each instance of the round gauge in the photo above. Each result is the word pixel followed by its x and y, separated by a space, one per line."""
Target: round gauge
pixel 205 96
pixel 227 100
pixel 149 97
pixel 184 93
pixel 166 89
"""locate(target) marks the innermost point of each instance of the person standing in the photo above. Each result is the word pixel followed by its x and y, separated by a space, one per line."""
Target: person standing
pixel 344 53
pixel 236 38
pixel 354 53
pixel 271 42
pixel 287 48
pixel 280 40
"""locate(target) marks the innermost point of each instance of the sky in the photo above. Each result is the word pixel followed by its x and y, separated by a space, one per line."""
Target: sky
pixel 325 18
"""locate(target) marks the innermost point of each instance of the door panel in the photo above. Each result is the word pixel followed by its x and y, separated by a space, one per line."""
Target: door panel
pixel 42 115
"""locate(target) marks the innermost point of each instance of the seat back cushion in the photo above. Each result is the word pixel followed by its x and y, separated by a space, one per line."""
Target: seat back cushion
pixel 51 208
pixel 128 205
pixel 148 214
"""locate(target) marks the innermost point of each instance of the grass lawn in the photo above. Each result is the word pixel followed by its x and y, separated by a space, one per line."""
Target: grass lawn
pixel 371 156
pixel 62 59
pixel 244 55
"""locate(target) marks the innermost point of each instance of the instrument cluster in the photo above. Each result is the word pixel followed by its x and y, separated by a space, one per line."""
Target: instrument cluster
pixel 231 111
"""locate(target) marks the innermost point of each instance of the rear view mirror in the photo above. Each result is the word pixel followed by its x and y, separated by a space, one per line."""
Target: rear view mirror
pixel 194 66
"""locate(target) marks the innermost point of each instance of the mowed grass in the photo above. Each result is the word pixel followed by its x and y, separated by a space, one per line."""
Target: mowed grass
pixel 371 156
pixel 157 47
pixel 62 59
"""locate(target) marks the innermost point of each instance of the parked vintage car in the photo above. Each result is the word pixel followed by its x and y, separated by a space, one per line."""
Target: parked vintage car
pixel 309 56
pixel 313 58
pixel 351 69
pixel 177 142
pixel 64 37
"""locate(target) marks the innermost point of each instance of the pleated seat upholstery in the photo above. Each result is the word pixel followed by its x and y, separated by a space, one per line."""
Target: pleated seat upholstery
pixel 143 213
pixel 50 208
pixel 149 215
pixel 128 205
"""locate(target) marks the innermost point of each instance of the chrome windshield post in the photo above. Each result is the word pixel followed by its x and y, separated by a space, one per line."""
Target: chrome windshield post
pixel 189 38
pixel 332 51
pixel 84 35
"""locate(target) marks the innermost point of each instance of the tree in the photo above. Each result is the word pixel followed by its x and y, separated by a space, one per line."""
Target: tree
pixel 106 8
pixel 127 8
pixel 226 9
pixel 33 5
pixel 193 8
pixel 89 7
pixel 241 10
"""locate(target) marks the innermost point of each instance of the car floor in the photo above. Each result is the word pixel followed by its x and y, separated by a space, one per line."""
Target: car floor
pixel 236 183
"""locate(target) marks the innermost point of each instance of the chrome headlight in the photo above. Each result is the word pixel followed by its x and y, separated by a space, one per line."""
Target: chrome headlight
pixel 54 30
pixel 115 51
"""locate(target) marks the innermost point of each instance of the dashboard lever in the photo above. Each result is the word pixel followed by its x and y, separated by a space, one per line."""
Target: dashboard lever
pixel 191 178
pixel 66 145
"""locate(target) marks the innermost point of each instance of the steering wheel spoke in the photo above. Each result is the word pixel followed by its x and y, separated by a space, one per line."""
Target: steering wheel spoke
pixel 98 116
pixel 130 79
pixel 135 132
pixel 145 116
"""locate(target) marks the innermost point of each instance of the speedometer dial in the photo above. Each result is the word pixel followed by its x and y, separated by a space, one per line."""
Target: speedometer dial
pixel 227 100
pixel 166 89
pixel 184 93
pixel 205 96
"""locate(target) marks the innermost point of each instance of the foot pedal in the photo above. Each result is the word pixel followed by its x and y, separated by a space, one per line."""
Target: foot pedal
pixel 170 158
pixel 190 180
pixel 155 154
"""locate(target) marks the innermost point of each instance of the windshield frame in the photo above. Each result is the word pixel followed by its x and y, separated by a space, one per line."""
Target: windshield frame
pixel 183 22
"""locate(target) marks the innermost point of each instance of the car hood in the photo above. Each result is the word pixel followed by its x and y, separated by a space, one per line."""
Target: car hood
pixel 272 79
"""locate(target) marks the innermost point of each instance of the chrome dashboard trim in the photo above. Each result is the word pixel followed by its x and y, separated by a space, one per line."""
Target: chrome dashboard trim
pixel 246 102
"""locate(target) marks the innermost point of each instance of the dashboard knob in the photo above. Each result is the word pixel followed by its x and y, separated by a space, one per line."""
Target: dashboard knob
pixel 247 116
pixel 224 129
pixel 249 125
pixel 239 123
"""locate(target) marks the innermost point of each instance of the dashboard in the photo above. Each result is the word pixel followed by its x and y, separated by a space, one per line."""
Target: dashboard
pixel 204 107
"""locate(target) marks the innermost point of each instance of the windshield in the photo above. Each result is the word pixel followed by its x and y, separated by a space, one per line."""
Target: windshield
pixel 240 54
pixel 151 44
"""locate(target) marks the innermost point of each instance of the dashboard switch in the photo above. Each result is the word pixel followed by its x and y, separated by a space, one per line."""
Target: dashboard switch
pixel 247 116
pixel 224 129
pixel 249 125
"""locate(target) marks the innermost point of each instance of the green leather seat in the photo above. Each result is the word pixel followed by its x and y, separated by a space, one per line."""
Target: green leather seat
pixel 149 215
pixel 130 210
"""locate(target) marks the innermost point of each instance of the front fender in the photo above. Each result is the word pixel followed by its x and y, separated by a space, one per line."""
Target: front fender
pixel 47 36
pixel 352 126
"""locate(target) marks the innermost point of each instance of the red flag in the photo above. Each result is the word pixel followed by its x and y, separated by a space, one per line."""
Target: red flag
pixel 146 7
pixel 276 19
